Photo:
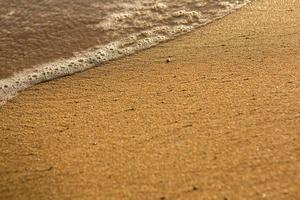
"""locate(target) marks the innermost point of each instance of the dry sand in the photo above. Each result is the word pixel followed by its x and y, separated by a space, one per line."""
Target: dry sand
pixel 220 121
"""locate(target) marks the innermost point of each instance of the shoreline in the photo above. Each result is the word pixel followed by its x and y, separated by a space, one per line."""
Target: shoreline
pixel 220 121
pixel 98 55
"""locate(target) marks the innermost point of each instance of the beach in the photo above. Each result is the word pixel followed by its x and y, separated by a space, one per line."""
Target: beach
pixel 213 114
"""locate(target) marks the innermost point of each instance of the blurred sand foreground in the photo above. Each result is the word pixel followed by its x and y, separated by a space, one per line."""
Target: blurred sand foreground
pixel 220 121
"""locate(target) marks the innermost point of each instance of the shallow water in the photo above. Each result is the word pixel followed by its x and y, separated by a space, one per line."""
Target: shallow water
pixel 45 39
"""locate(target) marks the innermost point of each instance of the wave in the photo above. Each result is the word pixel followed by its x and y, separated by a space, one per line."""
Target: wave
pixel 146 24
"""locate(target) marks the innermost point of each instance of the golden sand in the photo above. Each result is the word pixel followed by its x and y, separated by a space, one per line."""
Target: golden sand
pixel 220 121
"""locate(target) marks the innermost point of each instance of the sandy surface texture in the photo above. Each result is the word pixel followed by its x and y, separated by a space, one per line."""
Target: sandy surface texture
pixel 220 121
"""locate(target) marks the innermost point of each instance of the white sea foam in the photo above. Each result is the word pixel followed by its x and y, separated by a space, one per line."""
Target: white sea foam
pixel 180 21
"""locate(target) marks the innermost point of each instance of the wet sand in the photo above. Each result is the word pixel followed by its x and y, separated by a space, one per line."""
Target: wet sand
pixel 220 121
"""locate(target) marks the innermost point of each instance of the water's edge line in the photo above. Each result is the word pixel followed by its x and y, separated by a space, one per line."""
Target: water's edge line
pixel 93 57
